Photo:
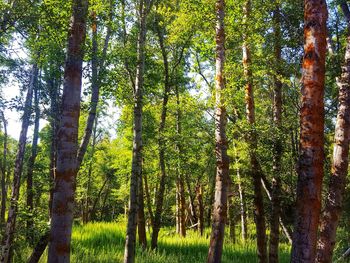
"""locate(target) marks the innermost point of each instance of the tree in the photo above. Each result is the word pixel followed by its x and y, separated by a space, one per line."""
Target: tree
pixel 311 159
pixel 255 168
pixel 222 159
pixel 66 170
pixel 7 241
pixel 334 201
pixel 136 171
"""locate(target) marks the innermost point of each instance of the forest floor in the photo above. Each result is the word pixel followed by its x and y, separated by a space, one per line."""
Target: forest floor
pixel 104 243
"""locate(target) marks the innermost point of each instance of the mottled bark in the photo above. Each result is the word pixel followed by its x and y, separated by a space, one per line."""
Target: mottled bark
pixel 67 147
pixel 222 159
pixel 3 171
pixel 277 147
pixel 311 158
pixel 7 241
pixel 336 188
pixel 253 144
pixel 161 141
pixel 136 170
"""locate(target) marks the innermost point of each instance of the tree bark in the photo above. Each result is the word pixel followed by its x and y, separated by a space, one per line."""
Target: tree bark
pixel 311 159
pixel 253 144
pixel 39 248
pixel 222 159
pixel 3 171
pixel 7 241
pixel 334 201
pixel 200 208
pixel 278 146
pixel 66 170
pixel 31 162
pixel 136 171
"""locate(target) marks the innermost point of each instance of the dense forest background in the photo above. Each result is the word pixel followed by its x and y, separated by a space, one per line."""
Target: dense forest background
pixel 153 111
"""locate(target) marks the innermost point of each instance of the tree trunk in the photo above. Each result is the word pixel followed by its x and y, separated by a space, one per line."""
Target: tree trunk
pixel 3 171
pixel 141 221
pixel 66 170
pixel 180 178
pixel 161 142
pixel 334 202
pixel 200 208
pixel 31 162
pixel 136 171
pixel 311 159
pixel 222 159
pixel 277 147
pixel 39 248
pixel 148 201
pixel 7 241
pixel 253 144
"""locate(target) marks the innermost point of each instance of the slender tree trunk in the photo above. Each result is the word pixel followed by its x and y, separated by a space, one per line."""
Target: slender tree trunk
pixel 311 159
pixel 192 207
pixel 7 241
pixel 253 144
pixel 66 170
pixel 161 143
pixel 97 66
pixel 141 221
pixel 180 178
pixel 231 219
pixel 334 202
pixel 242 203
pixel 93 209
pixel 31 162
pixel 136 171
pixel 199 192
pixel 39 248
pixel 277 147
pixel 3 171
pixel 148 200
pixel 222 159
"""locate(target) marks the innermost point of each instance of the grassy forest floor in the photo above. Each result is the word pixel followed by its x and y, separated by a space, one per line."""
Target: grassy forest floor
pixel 104 243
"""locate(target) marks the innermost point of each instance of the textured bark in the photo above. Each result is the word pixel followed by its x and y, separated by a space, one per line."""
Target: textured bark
pixel 148 200
pixel 66 169
pixel 31 162
pixel 136 170
pixel 222 159
pixel 252 142
pixel 3 171
pixel 161 142
pixel 311 159
pixel 277 147
pixel 334 202
pixel 8 237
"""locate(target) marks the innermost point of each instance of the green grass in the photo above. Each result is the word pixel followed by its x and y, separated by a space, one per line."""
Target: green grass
pixel 104 242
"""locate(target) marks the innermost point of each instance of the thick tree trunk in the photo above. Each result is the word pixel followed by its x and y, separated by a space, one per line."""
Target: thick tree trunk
pixel 3 171
pixel 31 162
pixel 334 202
pixel 8 237
pixel 136 171
pixel 252 141
pixel 222 159
pixel 161 143
pixel 66 170
pixel 311 159
pixel 277 147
